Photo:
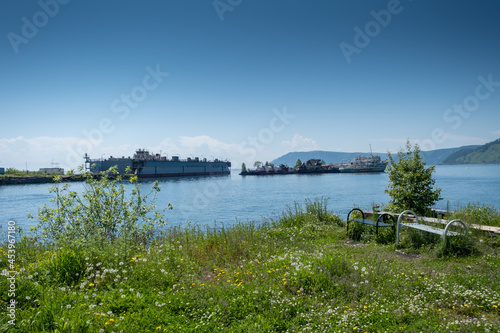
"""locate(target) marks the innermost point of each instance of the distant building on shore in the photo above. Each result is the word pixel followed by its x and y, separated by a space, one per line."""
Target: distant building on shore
pixel 59 171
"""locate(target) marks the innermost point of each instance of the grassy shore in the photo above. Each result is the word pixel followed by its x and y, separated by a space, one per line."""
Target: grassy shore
pixel 300 273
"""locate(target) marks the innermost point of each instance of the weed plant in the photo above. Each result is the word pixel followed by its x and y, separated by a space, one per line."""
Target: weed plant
pixel 478 214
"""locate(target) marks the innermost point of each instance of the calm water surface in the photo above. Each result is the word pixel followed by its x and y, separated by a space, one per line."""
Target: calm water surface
pixel 225 199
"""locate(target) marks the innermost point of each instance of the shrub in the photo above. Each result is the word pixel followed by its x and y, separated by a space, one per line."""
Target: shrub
pixel 103 212
pixel 457 246
pixel 411 185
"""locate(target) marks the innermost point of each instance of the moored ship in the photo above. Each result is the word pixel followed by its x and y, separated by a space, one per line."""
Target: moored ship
pixel 147 165
pixel 360 164
pixel 371 163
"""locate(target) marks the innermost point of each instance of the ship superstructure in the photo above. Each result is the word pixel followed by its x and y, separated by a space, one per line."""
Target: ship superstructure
pixel 371 163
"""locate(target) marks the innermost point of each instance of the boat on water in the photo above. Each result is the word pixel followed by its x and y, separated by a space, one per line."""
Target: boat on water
pixel 371 163
pixel 147 165
pixel 360 164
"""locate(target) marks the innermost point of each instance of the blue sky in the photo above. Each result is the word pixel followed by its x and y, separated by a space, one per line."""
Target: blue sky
pixel 244 80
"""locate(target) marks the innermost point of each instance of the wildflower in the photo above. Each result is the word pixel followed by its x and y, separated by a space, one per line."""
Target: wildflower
pixel 68 306
pixel 91 285
pixel 159 327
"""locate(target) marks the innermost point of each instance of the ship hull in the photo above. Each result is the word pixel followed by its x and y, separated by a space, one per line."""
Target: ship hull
pixel 186 174
pixel 363 169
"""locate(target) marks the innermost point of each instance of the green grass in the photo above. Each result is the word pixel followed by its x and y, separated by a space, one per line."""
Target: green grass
pixel 298 273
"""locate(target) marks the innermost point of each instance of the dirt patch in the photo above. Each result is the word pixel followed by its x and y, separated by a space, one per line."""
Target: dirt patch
pixel 406 255
pixel 354 243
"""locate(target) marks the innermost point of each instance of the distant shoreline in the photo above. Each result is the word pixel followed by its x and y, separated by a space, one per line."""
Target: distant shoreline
pixel 43 179
pixel 24 180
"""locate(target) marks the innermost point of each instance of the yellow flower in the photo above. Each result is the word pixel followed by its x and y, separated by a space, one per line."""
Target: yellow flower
pixel 106 323
pixel 365 307
pixel 91 285
pixel 111 319
pixel 159 327
pixel 494 306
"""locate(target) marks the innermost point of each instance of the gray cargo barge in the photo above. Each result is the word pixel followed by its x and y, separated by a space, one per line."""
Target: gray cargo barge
pixel 146 165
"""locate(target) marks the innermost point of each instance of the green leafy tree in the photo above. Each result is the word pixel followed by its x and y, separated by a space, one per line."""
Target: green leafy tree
pixel 298 163
pixel 103 212
pixel 244 168
pixel 257 164
pixel 411 185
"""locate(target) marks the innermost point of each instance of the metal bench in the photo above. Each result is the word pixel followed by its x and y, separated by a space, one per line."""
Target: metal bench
pixel 379 223
pixel 415 225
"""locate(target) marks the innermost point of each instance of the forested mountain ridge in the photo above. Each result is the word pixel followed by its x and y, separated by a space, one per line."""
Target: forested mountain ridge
pixel 486 154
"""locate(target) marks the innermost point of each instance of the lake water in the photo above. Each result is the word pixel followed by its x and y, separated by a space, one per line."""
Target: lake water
pixel 225 199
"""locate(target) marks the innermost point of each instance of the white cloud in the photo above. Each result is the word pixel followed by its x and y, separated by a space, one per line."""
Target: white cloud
pixel 41 151
pixel 496 132
pixel 300 143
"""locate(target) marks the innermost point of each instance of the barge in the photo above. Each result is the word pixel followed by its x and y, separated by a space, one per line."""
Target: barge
pixel 147 165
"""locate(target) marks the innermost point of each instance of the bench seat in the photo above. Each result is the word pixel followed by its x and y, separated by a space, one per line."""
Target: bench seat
pixel 374 223
pixel 415 225
pixel 379 223
pixel 429 228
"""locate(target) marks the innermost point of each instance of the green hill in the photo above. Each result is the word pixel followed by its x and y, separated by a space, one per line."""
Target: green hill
pixel 485 154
